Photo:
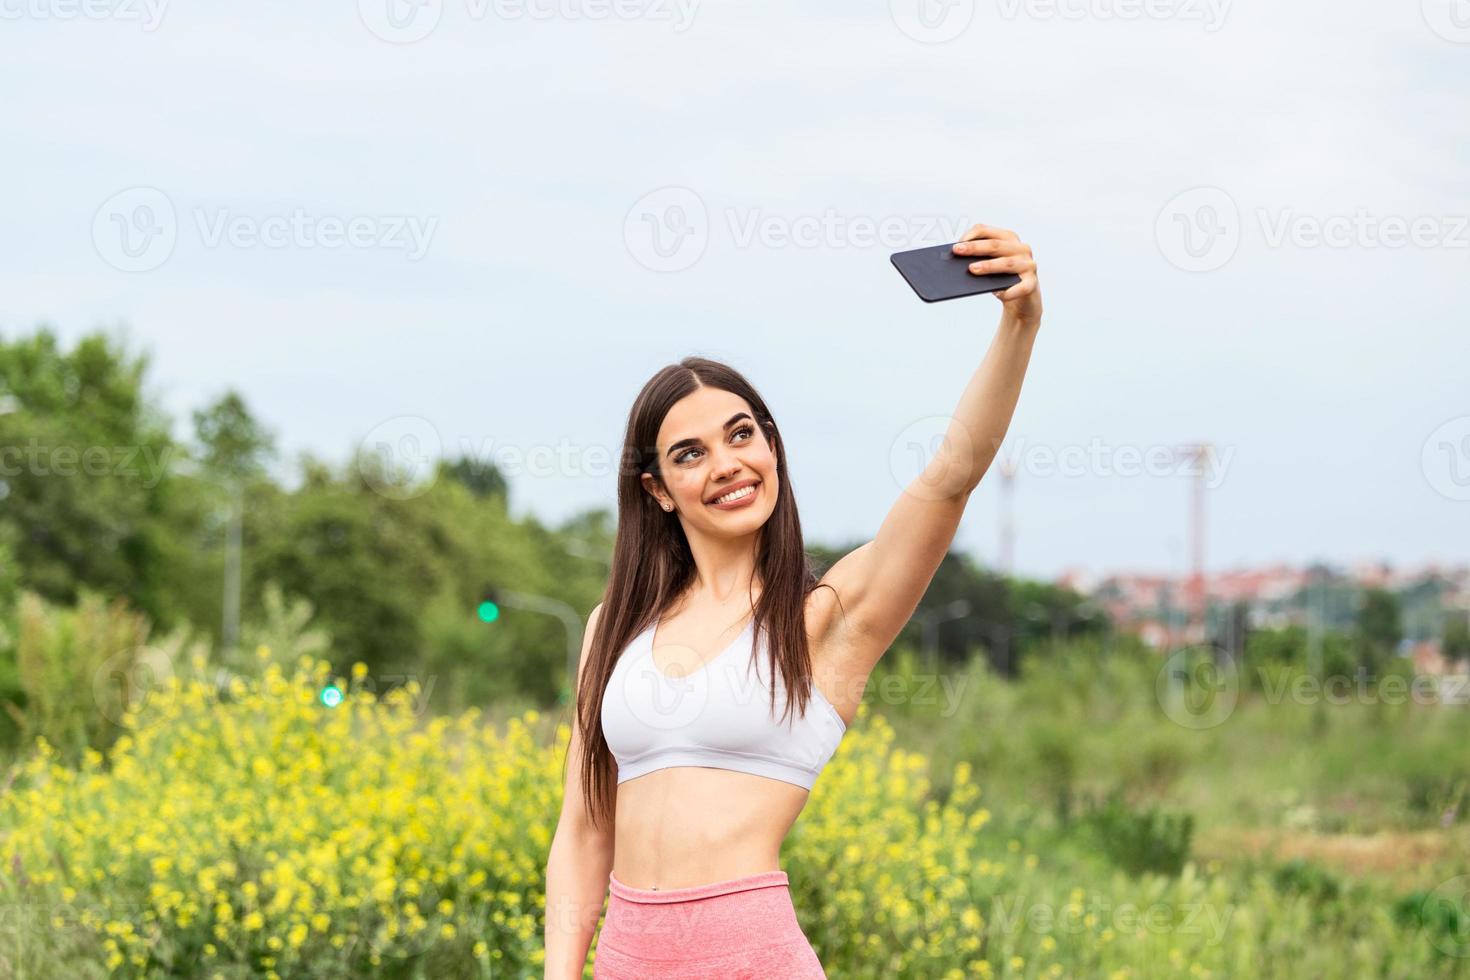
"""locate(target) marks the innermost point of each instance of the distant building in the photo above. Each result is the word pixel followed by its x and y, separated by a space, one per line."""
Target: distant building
pixel 1156 606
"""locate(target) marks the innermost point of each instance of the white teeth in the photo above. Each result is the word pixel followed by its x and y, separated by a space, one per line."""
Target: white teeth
pixel 735 495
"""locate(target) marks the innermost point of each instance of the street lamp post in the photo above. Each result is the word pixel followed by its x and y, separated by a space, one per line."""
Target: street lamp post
pixel 571 621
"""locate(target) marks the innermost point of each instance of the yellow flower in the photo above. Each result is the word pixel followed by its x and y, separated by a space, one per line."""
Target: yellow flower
pixel 253 922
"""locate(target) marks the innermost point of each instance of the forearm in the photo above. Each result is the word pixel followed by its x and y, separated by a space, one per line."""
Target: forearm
pixel 576 887
pixel 983 415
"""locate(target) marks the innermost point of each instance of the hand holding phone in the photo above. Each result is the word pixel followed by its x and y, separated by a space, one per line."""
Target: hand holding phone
pixel 936 273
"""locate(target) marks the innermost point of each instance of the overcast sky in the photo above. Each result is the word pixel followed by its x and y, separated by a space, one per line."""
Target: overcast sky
pixel 485 224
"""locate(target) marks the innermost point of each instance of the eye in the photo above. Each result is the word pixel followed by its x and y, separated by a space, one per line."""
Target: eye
pixel 745 429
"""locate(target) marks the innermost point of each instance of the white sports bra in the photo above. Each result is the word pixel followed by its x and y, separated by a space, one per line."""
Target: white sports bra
pixel 718 717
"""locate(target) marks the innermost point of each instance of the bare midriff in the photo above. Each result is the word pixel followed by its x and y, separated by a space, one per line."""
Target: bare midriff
pixel 691 825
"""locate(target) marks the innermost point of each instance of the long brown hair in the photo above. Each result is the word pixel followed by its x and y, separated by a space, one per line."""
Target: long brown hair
pixel 652 566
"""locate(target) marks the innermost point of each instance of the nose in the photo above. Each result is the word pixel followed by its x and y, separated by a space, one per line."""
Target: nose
pixel 726 463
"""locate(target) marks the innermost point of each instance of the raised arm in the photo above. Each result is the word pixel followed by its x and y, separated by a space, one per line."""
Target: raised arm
pixel 881 582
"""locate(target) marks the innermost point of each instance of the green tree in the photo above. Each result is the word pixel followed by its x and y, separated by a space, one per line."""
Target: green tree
pixel 233 450
pixel 1379 628
pixel 233 445
pixel 84 470
pixel 1456 638
pixel 480 477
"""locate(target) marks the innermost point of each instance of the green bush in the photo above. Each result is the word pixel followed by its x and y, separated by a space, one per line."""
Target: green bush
pixel 1439 794
pixel 77 670
pixel 1442 917
pixel 1150 839
pixel 1305 878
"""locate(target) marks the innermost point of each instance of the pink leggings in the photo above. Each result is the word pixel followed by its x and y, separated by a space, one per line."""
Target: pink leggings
pixel 740 928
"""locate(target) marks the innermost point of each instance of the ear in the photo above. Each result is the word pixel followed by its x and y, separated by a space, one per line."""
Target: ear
pixel 655 488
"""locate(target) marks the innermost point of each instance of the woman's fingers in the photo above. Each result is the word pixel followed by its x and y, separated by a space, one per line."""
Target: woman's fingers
pixel 1026 286
pixel 992 246
pixel 1021 264
pixel 988 231
pixel 1001 250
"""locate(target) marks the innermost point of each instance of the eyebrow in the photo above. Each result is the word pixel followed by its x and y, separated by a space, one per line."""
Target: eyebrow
pixel 686 443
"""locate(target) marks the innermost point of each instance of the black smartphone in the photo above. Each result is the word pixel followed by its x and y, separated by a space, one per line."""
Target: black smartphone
pixel 937 273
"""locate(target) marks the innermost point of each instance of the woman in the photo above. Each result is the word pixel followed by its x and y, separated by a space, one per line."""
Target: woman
pixel 684 775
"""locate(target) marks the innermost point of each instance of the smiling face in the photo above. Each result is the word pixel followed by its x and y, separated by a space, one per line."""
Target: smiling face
pixel 709 445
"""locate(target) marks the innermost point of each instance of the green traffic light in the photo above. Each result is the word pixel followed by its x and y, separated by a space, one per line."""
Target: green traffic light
pixel 489 612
